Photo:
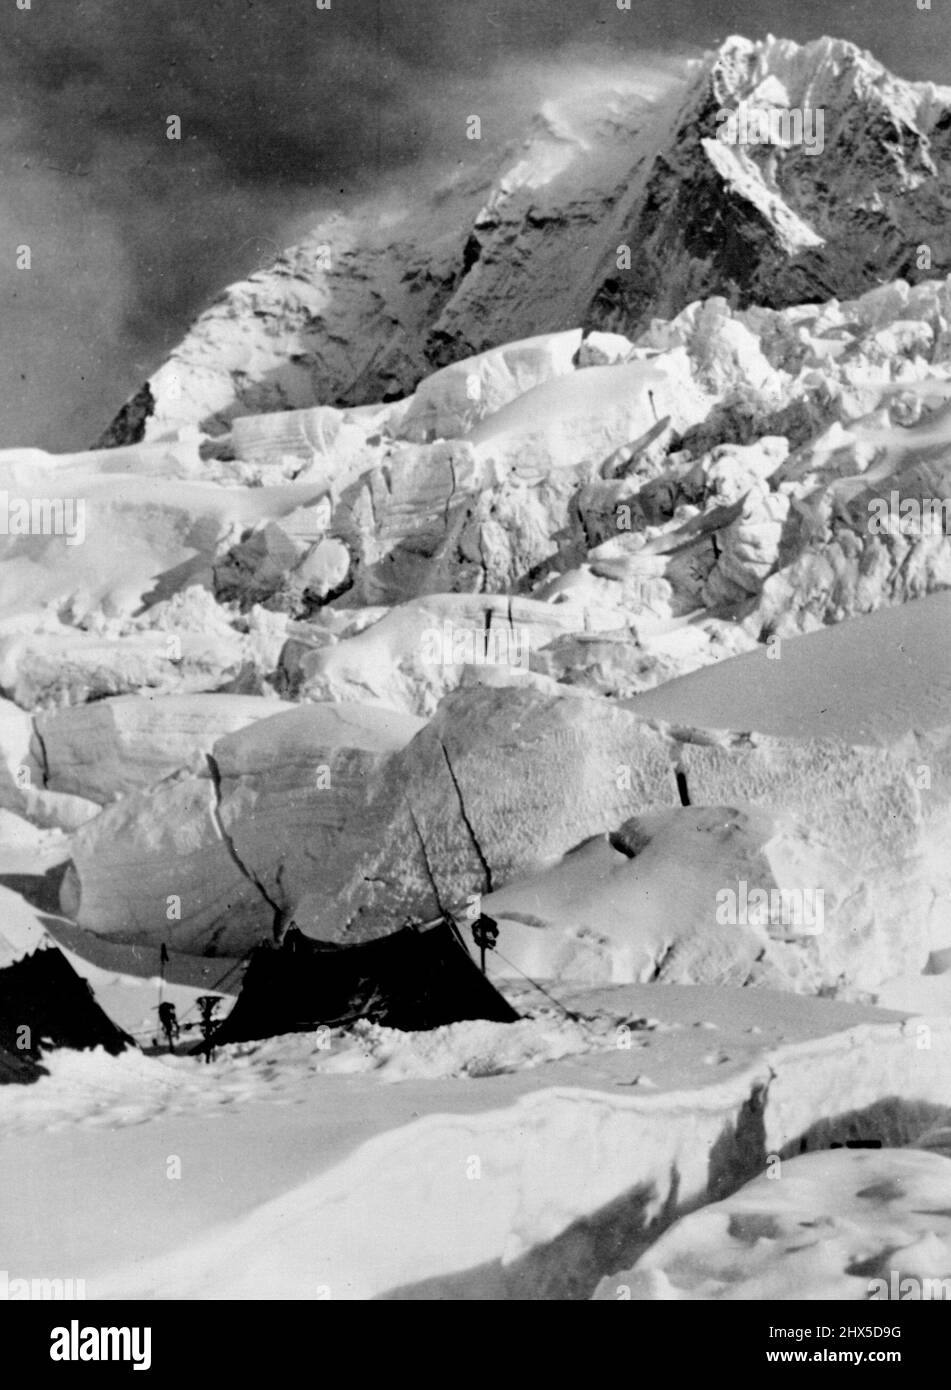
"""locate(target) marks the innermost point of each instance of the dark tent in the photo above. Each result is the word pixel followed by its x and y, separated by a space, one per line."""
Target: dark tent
pixel 44 1004
pixel 414 980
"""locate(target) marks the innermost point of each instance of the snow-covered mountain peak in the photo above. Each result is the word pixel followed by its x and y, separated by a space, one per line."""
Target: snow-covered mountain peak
pixel 622 203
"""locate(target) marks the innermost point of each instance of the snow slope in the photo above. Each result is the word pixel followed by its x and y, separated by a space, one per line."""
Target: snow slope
pixel 510 1187
pixel 441 1188
pixel 828 1225
pixel 870 680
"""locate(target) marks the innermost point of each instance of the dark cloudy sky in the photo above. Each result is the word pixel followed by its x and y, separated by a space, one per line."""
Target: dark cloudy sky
pixel 286 111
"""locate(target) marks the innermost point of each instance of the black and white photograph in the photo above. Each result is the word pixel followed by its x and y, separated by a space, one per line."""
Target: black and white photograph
pixel 475 661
